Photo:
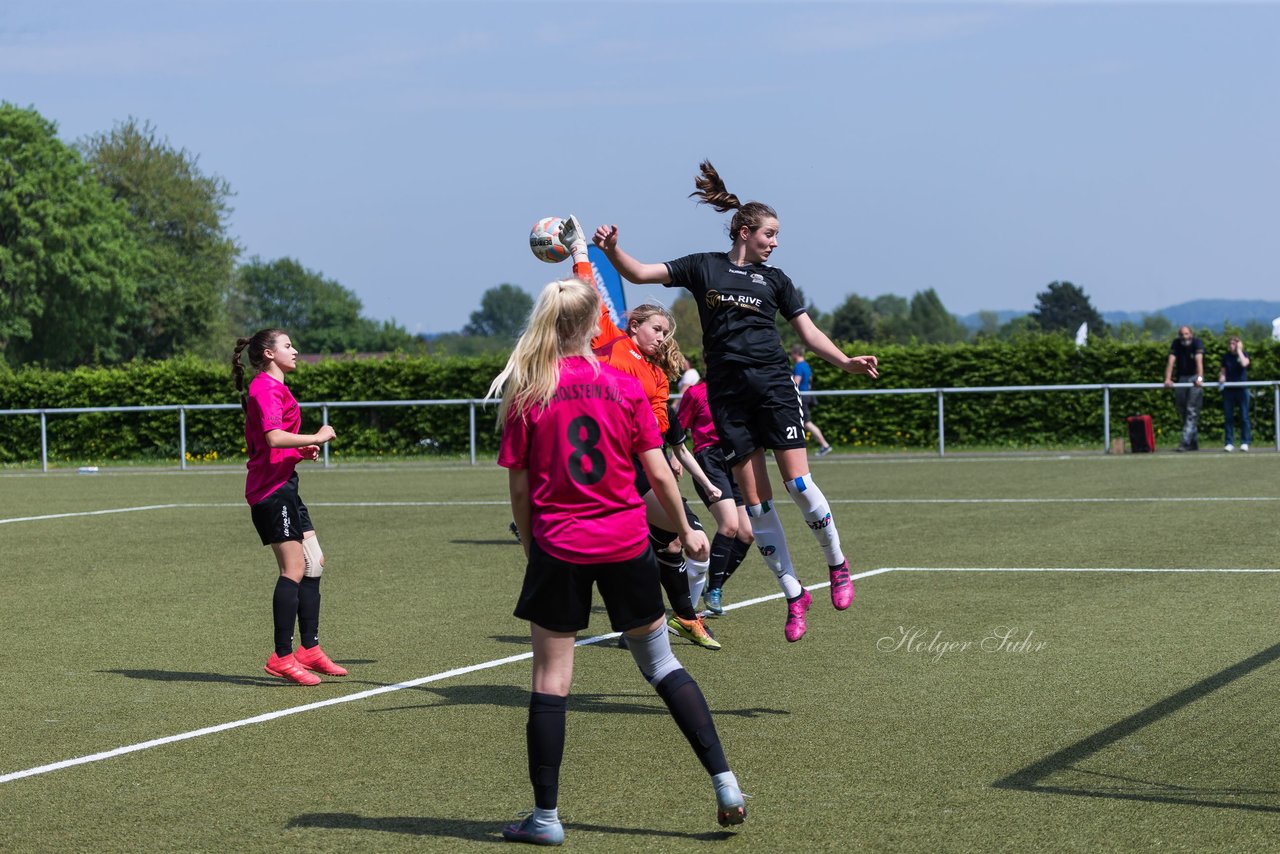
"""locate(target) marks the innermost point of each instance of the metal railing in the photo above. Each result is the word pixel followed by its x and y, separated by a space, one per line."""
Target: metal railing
pixel 472 404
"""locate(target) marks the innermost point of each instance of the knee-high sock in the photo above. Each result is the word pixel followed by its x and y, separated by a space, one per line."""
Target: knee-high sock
pixel 309 611
pixel 721 555
pixel 671 572
pixel 689 708
pixel 736 557
pixel 817 515
pixel 697 572
pixel 544 736
pixel 284 613
pixel 772 543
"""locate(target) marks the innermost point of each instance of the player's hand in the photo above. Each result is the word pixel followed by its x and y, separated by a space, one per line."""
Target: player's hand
pixel 572 236
pixel 325 434
pixel 310 452
pixel 868 365
pixel 676 468
pixel 696 545
pixel 606 237
pixel 714 493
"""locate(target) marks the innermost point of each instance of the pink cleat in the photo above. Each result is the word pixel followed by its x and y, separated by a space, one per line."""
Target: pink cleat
pixel 287 667
pixel 315 659
pixel 841 587
pixel 795 627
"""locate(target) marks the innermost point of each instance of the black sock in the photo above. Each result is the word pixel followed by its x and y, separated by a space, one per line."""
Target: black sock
pixel 689 708
pixel 544 737
pixel 309 612
pixel 284 611
pixel 675 581
pixel 739 554
pixel 721 554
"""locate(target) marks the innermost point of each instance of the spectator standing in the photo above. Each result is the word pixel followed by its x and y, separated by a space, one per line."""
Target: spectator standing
pixel 1235 369
pixel 1186 362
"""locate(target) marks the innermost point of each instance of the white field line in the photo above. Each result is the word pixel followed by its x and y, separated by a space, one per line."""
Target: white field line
pixel 511 659
pixel 871 501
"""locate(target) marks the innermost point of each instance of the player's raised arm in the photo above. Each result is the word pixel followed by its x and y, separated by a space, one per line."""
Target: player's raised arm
pixel 606 237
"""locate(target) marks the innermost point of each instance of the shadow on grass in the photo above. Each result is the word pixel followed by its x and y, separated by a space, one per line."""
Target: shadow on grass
pixel 1032 778
pixel 506 542
pixel 511 696
pixel 461 828
pixel 185 676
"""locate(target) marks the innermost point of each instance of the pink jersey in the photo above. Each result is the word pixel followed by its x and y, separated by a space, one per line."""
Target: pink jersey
pixel 577 450
pixel 271 407
pixel 695 417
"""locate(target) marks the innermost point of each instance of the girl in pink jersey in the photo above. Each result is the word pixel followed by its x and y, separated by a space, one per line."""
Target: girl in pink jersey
pixel 571 427
pixel 733 527
pixel 271 436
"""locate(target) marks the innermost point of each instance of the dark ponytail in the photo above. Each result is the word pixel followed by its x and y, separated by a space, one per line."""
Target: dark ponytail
pixel 262 340
pixel 712 191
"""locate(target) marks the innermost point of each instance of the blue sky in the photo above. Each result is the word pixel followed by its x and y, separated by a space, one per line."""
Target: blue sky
pixel 405 148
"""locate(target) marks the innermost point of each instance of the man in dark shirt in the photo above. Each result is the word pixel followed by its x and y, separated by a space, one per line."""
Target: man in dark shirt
pixel 1235 369
pixel 1186 355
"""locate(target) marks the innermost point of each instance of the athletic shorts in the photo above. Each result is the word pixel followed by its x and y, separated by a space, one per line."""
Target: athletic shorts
pixel 755 407
pixel 557 594
pixel 281 516
pixel 643 486
pixel 721 476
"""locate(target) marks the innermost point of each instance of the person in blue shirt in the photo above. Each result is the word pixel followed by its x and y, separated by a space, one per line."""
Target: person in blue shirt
pixel 802 376
pixel 1235 369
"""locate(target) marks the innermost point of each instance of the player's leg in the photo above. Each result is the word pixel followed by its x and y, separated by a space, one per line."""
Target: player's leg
pixel 804 491
pixel 309 654
pixel 279 525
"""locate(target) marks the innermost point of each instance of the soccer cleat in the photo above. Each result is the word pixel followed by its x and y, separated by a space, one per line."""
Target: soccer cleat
pixel 822 452
pixel 841 586
pixel 796 625
pixel 694 630
pixel 315 659
pixel 730 807
pixel 711 598
pixel 287 667
pixel 534 832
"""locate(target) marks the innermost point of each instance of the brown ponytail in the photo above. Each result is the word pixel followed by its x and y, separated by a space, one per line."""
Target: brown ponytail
pixel 262 340
pixel 712 191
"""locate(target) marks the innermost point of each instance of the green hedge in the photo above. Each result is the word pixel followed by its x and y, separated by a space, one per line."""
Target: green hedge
pixel 884 422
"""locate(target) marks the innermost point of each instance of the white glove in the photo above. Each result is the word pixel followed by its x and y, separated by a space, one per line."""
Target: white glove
pixel 574 239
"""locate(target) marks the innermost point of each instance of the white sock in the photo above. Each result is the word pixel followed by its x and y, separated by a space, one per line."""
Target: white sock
pixel 696 571
pixel 721 781
pixel 772 543
pixel 817 515
pixel 542 816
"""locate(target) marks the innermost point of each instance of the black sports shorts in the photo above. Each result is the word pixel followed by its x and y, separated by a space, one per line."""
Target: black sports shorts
pixel 281 516
pixel 754 407
pixel 721 476
pixel 557 594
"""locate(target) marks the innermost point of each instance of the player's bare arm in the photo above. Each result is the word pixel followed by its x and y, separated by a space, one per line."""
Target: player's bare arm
pixel 817 341
pixel 606 237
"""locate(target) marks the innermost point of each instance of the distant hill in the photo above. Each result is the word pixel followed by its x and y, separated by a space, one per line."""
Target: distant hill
pixel 1199 314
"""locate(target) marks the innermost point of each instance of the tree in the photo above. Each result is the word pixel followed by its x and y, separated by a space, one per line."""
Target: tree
pixel 929 321
pixel 854 320
pixel 68 261
pixel 1063 306
pixel 179 217
pixel 320 314
pixel 503 312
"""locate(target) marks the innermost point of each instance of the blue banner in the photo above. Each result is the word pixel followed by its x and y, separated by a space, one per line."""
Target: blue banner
pixel 609 284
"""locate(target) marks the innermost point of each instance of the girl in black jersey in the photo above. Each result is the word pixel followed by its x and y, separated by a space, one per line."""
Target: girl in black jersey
pixel 753 401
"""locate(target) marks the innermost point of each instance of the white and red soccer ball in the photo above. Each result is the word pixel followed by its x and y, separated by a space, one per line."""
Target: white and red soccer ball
pixel 545 242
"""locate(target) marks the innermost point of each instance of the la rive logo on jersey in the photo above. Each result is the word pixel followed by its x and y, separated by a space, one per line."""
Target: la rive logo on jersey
pixel 717 299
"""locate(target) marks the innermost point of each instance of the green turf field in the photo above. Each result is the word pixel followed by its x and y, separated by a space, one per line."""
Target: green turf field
pixel 966 702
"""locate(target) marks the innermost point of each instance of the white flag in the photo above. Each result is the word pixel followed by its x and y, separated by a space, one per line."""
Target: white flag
pixel 1275 329
pixel 1082 334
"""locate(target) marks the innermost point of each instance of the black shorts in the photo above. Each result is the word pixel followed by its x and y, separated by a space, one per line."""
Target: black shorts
pixel 557 594
pixel 281 516
pixel 643 487
pixel 718 472
pixel 755 407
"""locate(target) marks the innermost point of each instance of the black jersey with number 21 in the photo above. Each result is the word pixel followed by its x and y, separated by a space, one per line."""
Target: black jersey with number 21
pixel 737 306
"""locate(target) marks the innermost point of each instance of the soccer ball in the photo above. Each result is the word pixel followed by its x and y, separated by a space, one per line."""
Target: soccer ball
pixel 544 240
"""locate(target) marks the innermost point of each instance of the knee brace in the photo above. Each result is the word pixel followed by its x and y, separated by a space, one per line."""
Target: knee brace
pixel 652 654
pixel 312 557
